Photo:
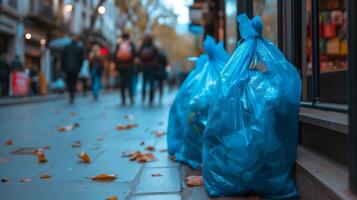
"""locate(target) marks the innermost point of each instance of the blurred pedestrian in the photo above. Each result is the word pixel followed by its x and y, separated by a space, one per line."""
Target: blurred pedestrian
pixel 96 65
pixel 124 60
pixel 161 74
pixel 148 55
pixel 71 60
pixel 4 75
pixel 16 64
pixel 34 78
pixel 84 76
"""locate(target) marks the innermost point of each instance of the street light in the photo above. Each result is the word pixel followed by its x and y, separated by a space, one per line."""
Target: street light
pixel 28 36
pixel 101 10
pixel 68 8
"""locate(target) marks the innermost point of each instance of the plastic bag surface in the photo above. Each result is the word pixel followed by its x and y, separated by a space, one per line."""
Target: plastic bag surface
pixel 188 114
pixel 250 141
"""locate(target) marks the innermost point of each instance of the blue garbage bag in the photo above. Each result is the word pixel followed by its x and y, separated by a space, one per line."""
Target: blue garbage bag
pixel 250 141
pixel 188 114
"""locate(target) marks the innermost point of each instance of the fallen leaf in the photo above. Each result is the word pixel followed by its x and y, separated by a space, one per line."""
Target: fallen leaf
pixel 3 160
pixel 121 127
pixel 135 155
pixel 156 175
pixel 45 176
pixel 148 157
pixel 73 114
pixel 142 143
pixel 84 157
pixel 5 179
pixel 129 117
pixel 104 177
pixel 9 142
pixel 142 157
pixel 130 126
pixel 162 150
pixel 159 133
pixel 193 181
pixel 68 127
pixel 25 180
pixel 112 198
pixel 76 144
pixel 172 157
pixel 150 148
pixel 41 157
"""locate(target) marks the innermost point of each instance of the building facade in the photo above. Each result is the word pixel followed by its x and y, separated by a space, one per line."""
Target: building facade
pixel 27 27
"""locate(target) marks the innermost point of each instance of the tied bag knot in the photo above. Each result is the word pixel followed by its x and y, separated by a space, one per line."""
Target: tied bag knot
pixel 250 28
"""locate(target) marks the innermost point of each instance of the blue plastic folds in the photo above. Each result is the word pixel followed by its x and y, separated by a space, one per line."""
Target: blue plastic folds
pixel 188 114
pixel 250 141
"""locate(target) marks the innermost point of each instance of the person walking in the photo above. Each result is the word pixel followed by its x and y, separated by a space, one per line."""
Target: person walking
pixel 124 60
pixel 16 64
pixel 96 66
pixel 148 55
pixel 4 75
pixel 71 60
pixel 161 74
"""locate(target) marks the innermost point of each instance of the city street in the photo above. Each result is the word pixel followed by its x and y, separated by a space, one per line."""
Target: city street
pixel 34 126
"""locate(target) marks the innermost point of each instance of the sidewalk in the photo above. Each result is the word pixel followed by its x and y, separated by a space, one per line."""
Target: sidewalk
pixel 32 126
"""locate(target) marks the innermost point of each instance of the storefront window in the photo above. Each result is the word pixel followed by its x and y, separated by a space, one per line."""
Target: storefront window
pixel 268 11
pixel 333 51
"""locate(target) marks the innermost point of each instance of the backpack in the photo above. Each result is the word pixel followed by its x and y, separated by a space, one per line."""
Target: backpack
pixel 124 52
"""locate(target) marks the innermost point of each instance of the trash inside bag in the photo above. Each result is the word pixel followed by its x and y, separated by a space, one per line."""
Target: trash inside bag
pixel 250 141
pixel 188 114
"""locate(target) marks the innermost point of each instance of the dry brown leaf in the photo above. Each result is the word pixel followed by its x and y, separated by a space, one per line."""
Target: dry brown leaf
pixel 76 144
pixel 40 150
pixel 112 198
pixel 9 142
pixel 5 179
pixel 193 181
pixel 25 180
pixel 41 157
pixel 130 126
pixel 135 155
pixel 150 148
pixel 148 157
pixel 73 114
pixel 104 177
pixel 68 127
pixel 121 127
pixel 159 133
pixel 45 176
pixel 162 150
pixel 156 175
pixel 172 157
pixel 84 157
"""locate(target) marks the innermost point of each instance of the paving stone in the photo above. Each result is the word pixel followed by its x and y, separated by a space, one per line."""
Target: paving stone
pixel 168 182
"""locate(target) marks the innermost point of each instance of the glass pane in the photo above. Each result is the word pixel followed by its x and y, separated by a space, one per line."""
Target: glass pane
pixel 333 51
pixel 268 11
